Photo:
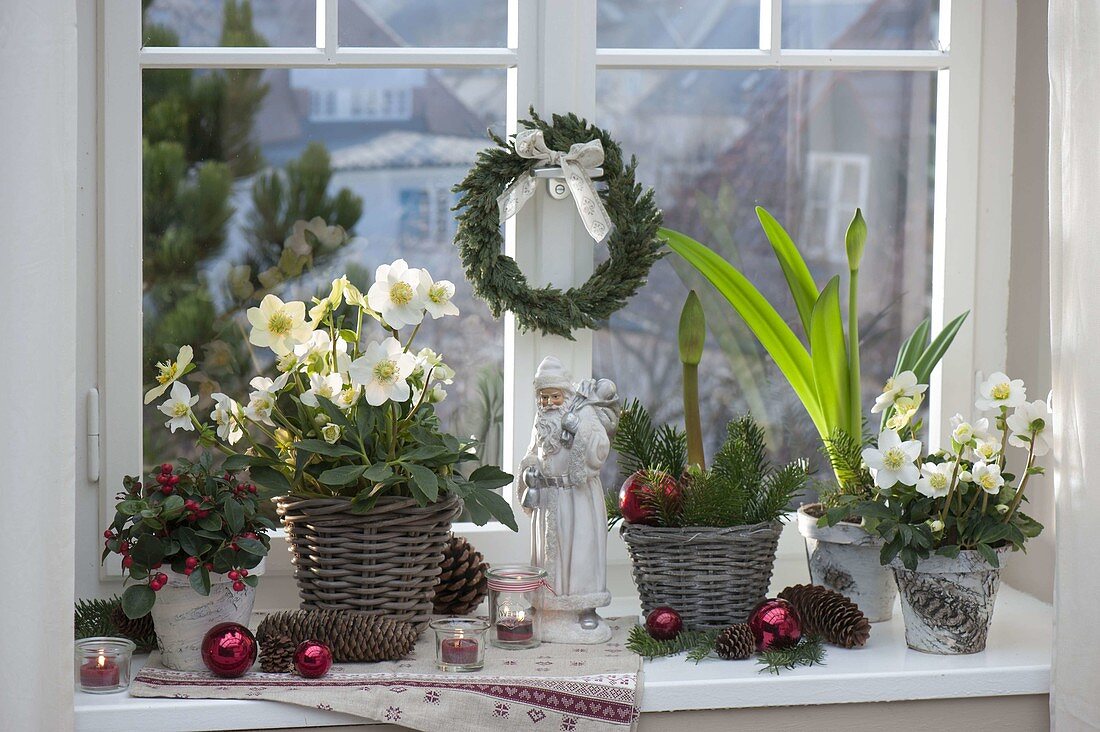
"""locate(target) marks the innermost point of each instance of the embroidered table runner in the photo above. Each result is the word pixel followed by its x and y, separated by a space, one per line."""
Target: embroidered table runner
pixel 556 687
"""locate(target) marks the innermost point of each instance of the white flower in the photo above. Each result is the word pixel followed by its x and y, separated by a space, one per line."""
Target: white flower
pixel 178 407
pixel 437 394
pixel 438 302
pixel 986 450
pixel 398 294
pixel 261 402
pixel 905 408
pixel 352 296
pixel 226 415
pixel 1031 420
pixel 428 360
pixel 963 432
pixel 892 461
pixel 348 397
pixel 935 480
pixel 903 385
pixel 1000 391
pixel 168 372
pixel 277 325
pixel 330 302
pixel 1001 508
pixel 288 361
pixel 322 385
pixel 331 432
pixel 965 476
pixel 382 370
pixel 314 351
pixel 988 477
pixel 936 526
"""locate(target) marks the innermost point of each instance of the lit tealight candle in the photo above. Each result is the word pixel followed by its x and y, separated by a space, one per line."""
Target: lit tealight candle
pixel 99 672
pixel 459 651
pixel 514 626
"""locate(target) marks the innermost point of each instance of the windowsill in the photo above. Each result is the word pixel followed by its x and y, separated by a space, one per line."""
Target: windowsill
pixel 1016 661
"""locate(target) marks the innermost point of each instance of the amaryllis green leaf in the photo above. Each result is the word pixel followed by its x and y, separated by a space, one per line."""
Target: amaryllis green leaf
pixel 939 345
pixel 799 280
pixel 829 354
pixel 913 347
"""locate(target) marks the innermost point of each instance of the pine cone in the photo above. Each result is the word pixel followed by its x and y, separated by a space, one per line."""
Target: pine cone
pixel 277 655
pixel 462 583
pixel 352 636
pixel 140 631
pixel 735 642
pixel 829 614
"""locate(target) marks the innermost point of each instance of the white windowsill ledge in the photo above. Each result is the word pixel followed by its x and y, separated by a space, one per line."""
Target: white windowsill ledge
pixel 1016 661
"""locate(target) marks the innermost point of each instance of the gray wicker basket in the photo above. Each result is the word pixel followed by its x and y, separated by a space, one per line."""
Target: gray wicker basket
pixel 713 577
pixel 385 562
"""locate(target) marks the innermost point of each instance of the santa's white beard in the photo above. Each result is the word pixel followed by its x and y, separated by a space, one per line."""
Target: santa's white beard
pixel 548 429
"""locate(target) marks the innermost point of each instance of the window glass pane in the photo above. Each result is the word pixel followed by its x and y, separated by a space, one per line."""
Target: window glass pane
pixel 861 24
pixel 809 146
pixel 678 23
pixel 426 23
pixel 230 23
pixel 236 163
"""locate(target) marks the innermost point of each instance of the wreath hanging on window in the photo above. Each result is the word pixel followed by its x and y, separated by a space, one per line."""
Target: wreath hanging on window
pixel 623 215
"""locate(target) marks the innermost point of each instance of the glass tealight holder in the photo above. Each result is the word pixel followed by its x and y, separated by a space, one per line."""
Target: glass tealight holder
pixel 459 643
pixel 514 592
pixel 103 664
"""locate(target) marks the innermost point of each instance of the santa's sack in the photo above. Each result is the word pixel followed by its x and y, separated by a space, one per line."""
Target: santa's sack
pixel 713 577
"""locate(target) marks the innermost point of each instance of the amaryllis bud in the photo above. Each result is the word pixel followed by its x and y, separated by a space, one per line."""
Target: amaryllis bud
pixel 854 240
pixel 693 330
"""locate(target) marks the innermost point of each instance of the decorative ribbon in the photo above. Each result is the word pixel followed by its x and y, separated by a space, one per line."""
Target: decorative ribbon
pixel 519 585
pixel 575 164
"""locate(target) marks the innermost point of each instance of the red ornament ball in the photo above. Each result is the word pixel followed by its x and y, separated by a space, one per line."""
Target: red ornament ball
pixel 635 494
pixel 313 659
pixel 663 623
pixel 775 624
pixel 229 650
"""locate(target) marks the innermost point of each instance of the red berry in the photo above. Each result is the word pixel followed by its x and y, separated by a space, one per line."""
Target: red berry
pixel 238 585
pixel 108 534
pixel 208 566
pixel 251 488
pixel 127 562
pixel 234 574
pixel 250 535
pixel 167 489
pixel 124 548
pixel 191 562
pixel 162 478
pixel 188 570
pixel 244 572
pixel 234 547
pixel 166 468
pixel 173 479
pixel 162 577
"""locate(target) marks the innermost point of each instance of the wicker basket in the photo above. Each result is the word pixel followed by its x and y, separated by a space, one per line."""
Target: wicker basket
pixel 385 562
pixel 713 577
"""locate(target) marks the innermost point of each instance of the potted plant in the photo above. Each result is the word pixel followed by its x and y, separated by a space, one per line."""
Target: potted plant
pixel 192 543
pixel 702 540
pixel 950 518
pixel 824 373
pixel 344 431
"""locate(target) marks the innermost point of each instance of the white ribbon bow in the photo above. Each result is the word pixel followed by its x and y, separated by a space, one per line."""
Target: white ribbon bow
pixel 575 164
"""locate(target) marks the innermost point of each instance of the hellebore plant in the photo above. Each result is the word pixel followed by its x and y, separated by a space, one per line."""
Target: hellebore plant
pixel 826 375
pixel 345 414
pixel 959 498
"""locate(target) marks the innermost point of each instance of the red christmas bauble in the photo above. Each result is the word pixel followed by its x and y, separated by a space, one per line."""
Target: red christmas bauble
pixel 634 494
pixel 664 623
pixel 775 624
pixel 229 650
pixel 312 659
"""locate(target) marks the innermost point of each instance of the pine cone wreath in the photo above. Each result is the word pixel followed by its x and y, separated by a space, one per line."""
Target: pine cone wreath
pixel 735 643
pixel 277 655
pixel 462 583
pixel 351 636
pixel 828 614
pixel 140 631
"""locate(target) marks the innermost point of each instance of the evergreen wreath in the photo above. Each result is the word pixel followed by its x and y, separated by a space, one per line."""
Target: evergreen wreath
pixel 497 279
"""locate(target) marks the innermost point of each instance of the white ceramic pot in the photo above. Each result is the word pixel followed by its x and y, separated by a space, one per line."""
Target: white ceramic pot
pixel 947 603
pixel 845 558
pixel 181 616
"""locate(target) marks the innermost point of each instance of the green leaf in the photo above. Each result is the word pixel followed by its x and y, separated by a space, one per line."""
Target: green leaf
pixel 252 546
pixel 366 419
pixel 213 522
pixel 147 551
pixel 769 327
pixel 364 501
pixel 172 508
pixel 188 540
pixel 130 507
pixel 342 475
pixel 423 452
pixel 496 505
pixel 320 447
pixel 939 345
pixel 251 580
pixel 913 347
pixel 200 581
pixel 799 280
pixel 335 414
pixel 490 477
pixel 234 514
pixel 270 478
pixel 138 600
pixel 988 554
pixel 425 480
pixel 378 473
pixel 830 356
pixel 234 463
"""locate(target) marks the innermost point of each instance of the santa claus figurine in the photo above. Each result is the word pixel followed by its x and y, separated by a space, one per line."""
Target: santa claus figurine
pixel 562 493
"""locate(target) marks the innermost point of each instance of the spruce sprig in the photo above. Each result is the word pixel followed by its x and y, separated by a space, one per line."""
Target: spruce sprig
pixel 845 455
pixel 809 651
pixel 641 446
pixel 697 643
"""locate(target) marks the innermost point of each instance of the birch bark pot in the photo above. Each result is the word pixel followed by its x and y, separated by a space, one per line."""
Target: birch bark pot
pixel 182 616
pixel 845 558
pixel 947 604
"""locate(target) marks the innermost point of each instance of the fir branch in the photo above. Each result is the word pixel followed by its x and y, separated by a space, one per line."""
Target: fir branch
pixel 92 618
pixel 845 455
pixel 665 506
pixel 779 488
pixel 641 446
pixel 691 641
pixel 809 651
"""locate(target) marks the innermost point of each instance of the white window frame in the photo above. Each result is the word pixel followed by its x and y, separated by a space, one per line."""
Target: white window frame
pixel 838 211
pixel 552 60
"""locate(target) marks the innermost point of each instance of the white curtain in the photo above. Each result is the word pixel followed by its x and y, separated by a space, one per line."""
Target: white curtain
pixel 37 361
pixel 1074 56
